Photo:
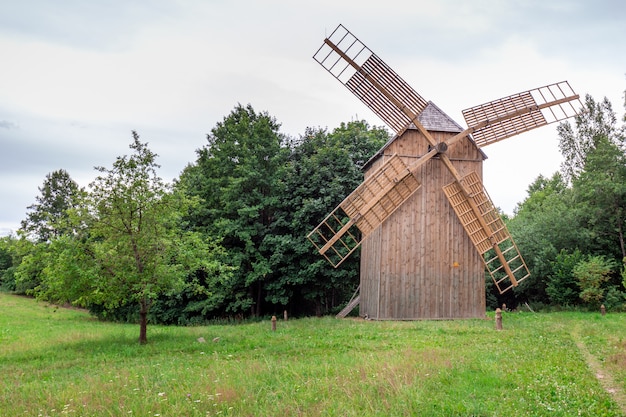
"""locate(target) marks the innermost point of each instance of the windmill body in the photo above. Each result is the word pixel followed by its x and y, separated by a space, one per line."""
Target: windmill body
pixel 420 263
pixel 427 226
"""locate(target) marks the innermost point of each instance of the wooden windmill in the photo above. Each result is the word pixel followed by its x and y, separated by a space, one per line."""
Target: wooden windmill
pixel 424 253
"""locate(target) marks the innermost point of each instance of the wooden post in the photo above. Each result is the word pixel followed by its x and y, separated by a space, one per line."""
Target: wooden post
pixel 603 309
pixel 285 315
pixel 498 319
pixel 273 323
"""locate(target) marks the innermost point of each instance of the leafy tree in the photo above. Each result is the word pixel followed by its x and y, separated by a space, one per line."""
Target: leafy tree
pixel 600 190
pixel 263 193
pixel 7 267
pixel 591 276
pixel 46 220
pixel 596 120
pixel 236 177
pixel 130 248
pixel 59 193
pixel 562 286
pixel 544 224
pixel 322 170
pixel 30 259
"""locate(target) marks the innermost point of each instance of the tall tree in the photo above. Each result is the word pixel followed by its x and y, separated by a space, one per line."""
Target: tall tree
pixel 44 221
pixel 600 189
pixel 322 170
pixel 596 120
pixel 236 176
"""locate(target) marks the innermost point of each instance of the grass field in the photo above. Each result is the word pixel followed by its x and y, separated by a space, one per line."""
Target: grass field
pixel 57 362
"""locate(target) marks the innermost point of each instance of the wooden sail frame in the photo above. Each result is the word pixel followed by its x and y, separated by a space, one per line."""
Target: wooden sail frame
pixel 372 81
pixel 398 105
pixel 531 109
pixel 370 204
pixel 487 232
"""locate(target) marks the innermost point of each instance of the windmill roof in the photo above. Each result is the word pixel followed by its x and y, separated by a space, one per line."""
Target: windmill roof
pixel 433 119
pixel 436 120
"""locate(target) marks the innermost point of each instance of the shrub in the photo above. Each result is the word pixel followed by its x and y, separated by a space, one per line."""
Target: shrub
pixel 591 275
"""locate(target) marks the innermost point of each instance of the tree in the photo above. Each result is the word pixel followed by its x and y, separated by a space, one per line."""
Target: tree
pixel 262 193
pixel 591 275
pixel 600 190
pixel 596 120
pixel 322 170
pixel 129 247
pixel 562 286
pixel 7 267
pixel 544 224
pixel 59 193
pixel 236 177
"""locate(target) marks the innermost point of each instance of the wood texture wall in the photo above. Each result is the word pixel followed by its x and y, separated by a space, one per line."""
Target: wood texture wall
pixel 420 263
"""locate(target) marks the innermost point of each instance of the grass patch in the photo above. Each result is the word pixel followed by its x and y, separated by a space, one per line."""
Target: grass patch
pixel 63 362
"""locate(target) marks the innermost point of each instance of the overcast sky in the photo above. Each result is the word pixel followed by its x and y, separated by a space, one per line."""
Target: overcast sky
pixel 77 76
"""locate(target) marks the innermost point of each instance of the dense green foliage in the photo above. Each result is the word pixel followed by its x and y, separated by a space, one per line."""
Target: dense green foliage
pixel 7 268
pixel 261 194
pixel 228 238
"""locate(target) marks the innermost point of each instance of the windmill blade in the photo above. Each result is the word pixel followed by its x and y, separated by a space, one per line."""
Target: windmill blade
pixel 509 116
pixel 487 231
pixel 370 204
pixel 370 79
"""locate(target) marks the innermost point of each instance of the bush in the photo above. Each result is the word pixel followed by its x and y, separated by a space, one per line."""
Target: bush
pixel 563 288
pixel 614 299
pixel 591 276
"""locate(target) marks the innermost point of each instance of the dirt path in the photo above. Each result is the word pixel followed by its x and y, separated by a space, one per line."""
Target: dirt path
pixel 604 377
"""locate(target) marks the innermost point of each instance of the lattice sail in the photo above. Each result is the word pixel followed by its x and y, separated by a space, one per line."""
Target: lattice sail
pixel 370 79
pixel 487 231
pixel 370 204
pixel 518 113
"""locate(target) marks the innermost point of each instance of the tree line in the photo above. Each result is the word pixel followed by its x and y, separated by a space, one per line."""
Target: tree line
pixel 227 238
pixel 570 227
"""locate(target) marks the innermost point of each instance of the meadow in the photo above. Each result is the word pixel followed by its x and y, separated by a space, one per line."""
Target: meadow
pixel 56 361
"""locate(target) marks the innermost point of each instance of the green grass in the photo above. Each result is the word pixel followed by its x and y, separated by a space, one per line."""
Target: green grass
pixel 63 362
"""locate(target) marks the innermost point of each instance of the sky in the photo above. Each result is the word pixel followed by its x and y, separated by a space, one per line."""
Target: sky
pixel 76 77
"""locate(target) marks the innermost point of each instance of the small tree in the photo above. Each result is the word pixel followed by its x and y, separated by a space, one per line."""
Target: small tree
pixel 130 248
pixel 591 275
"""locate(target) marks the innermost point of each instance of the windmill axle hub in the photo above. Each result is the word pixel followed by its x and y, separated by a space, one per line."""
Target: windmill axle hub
pixel 442 147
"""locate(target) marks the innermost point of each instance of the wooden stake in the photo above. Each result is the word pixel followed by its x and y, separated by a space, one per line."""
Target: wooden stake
pixel 602 309
pixel 498 319
pixel 273 323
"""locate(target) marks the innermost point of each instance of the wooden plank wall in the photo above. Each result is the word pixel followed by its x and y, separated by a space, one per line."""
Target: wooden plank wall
pixel 420 263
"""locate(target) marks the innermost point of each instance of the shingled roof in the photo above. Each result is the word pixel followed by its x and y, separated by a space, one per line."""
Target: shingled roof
pixel 433 119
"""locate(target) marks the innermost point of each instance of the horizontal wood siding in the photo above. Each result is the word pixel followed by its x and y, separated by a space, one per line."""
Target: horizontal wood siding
pixel 420 263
